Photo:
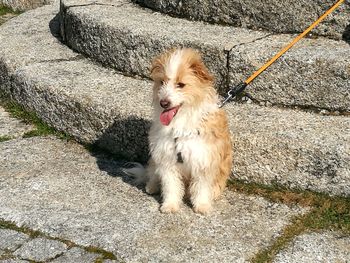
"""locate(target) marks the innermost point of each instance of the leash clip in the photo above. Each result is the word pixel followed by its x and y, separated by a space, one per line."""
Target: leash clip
pixel 233 93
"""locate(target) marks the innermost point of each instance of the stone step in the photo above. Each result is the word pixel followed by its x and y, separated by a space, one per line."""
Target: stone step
pixel 126 37
pixel 60 189
pixel 23 5
pixel 97 105
pixel 286 16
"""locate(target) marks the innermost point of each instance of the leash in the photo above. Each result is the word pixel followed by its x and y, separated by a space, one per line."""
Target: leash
pixel 233 92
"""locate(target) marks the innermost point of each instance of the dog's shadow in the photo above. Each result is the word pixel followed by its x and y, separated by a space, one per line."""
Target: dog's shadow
pixel 129 138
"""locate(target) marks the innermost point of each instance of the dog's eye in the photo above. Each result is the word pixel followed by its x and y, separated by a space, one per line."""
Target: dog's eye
pixel 180 85
pixel 162 82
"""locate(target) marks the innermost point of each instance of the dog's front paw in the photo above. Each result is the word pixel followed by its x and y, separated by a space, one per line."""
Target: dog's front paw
pixel 169 208
pixel 203 209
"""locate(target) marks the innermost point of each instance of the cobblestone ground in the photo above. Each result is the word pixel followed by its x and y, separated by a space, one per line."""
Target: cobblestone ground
pixel 17 246
pixel 26 245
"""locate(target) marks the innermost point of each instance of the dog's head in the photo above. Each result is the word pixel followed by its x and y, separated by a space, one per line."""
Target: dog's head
pixel 180 80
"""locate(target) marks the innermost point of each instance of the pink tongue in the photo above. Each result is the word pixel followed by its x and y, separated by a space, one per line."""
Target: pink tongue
pixel 167 116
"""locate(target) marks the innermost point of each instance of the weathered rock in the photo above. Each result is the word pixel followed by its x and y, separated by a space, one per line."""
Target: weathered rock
pixel 96 105
pixel 62 190
pixel 13 261
pixel 41 249
pixel 293 148
pixel 317 247
pixel 286 16
pixel 313 74
pixel 11 127
pixel 127 38
pixel 24 5
pixel 11 240
pixel 76 255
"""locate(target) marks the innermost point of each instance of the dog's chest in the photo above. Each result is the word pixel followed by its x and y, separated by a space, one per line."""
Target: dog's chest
pixel 187 150
pixel 191 150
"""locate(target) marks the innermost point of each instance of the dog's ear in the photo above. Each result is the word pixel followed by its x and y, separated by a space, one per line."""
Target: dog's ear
pixel 157 68
pixel 200 70
pixel 158 64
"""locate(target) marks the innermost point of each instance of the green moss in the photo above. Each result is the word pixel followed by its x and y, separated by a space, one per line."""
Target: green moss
pixel 326 213
pixel 6 10
pixel 41 128
pixel 34 234
pixel 4 138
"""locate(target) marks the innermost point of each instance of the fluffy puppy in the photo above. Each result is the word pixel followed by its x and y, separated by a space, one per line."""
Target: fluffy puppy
pixel 189 138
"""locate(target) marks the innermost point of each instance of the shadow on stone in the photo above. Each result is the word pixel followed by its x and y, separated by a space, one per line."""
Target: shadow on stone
pixel 126 140
pixel 54 26
pixel 346 34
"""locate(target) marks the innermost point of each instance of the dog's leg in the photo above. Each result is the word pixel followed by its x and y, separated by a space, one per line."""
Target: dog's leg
pixel 172 189
pixel 201 192
pixel 153 183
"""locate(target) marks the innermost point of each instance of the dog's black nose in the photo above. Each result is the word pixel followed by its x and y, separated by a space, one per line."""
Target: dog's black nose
pixel 164 104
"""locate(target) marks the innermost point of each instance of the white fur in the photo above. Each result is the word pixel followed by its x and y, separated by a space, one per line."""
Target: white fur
pixel 174 63
pixel 182 135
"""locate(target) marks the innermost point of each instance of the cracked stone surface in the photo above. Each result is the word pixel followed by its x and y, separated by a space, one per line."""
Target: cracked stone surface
pixel 12 127
pixel 41 249
pixel 62 190
pixel 11 240
pixel 317 247
pixel 282 16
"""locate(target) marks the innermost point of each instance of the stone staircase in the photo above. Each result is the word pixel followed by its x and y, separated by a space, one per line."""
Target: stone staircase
pixel 286 16
pixel 99 93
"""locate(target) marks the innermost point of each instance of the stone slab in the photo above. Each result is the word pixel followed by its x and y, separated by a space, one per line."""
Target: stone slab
pixel 13 261
pixel 125 37
pixel 317 247
pixel 61 189
pixel 41 249
pixel 76 255
pixel 24 5
pixel 11 127
pixel 314 73
pixel 286 16
pixel 97 105
pixel 11 240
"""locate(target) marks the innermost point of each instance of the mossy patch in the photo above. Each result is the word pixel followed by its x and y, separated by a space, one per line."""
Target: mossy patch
pixel 4 138
pixel 326 213
pixel 41 128
pixel 34 234
pixel 7 10
pixel 6 13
